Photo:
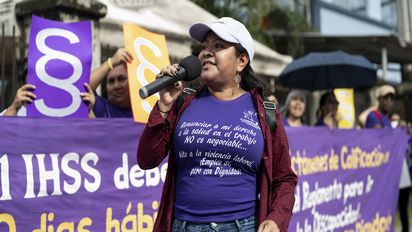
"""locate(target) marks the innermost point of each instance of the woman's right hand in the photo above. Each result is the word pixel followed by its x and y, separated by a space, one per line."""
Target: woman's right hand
pixel 169 94
pixel 331 120
pixel 121 56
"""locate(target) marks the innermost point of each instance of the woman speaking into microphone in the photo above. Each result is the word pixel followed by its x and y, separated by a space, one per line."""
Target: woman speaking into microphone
pixel 227 169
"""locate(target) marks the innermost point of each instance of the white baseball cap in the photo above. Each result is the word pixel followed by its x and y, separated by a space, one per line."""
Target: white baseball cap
pixel 385 90
pixel 229 30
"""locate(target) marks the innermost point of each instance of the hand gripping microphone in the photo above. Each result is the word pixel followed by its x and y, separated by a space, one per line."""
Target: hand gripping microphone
pixel 190 69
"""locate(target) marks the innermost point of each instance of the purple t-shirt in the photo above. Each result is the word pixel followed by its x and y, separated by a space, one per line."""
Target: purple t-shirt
pixel 218 149
pixel 285 122
pixel 373 120
pixel 104 109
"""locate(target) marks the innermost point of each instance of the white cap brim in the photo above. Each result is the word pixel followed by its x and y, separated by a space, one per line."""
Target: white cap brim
pixel 199 31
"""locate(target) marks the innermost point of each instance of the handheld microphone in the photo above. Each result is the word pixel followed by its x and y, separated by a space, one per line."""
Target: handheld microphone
pixel 190 69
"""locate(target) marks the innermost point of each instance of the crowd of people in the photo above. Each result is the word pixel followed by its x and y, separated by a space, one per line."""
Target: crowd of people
pixel 230 88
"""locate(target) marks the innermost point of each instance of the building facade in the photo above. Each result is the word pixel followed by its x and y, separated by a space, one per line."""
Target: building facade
pixel 378 29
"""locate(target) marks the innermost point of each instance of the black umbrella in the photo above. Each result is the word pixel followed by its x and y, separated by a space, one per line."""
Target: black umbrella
pixel 328 70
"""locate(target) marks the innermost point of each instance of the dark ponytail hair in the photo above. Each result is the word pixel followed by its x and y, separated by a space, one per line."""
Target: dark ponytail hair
pixel 249 80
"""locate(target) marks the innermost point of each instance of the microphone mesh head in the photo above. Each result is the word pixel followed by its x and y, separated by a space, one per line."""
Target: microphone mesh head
pixel 192 66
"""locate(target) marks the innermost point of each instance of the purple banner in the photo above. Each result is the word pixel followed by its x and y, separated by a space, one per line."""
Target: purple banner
pixel 81 175
pixel 75 175
pixel 59 62
pixel 348 179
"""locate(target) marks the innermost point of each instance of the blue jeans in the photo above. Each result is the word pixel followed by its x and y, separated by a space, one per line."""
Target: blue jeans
pixel 248 224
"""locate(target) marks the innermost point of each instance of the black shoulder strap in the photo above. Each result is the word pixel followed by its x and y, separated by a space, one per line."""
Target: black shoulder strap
pixel 270 108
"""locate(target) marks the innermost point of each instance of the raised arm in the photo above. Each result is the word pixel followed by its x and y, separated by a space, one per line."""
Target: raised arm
pixel 97 75
pixel 155 140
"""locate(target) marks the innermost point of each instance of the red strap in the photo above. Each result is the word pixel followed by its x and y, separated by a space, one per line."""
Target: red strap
pixel 378 115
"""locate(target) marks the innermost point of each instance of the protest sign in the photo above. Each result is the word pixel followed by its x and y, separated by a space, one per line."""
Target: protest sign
pixel 150 55
pixel 59 62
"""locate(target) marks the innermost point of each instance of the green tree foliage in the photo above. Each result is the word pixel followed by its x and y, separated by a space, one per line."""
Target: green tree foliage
pixel 265 19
